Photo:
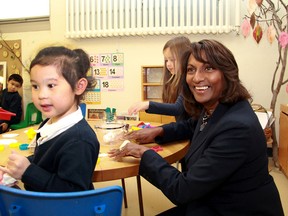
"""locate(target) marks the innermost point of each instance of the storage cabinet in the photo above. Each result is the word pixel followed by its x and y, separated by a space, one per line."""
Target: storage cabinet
pixel 283 139
pixel 152 91
pixel 152 82
pixel 148 117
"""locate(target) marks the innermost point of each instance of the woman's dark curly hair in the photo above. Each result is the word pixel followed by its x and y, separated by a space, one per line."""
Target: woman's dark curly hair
pixel 221 58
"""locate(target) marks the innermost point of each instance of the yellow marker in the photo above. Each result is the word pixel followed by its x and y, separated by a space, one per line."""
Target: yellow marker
pixel 2 147
pixel 98 161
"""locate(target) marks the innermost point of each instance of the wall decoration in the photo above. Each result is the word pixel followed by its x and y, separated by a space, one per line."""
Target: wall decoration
pixel 275 17
pixel 10 52
pixel 95 114
pixel 93 96
pixel 108 70
pixel 111 84
pixel 3 73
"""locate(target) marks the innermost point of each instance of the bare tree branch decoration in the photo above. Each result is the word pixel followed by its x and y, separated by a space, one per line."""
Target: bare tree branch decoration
pixel 4 43
pixel 275 16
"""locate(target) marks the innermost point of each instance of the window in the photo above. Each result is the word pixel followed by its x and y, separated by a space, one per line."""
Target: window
pixel 14 11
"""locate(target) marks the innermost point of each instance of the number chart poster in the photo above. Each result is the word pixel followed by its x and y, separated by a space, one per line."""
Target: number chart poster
pixel 109 69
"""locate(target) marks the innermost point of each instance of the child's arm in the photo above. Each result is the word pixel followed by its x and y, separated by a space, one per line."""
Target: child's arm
pixel 139 106
pixel 1 173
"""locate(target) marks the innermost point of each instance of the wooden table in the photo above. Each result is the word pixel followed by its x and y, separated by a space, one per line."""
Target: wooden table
pixel 22 138
pixel 107 168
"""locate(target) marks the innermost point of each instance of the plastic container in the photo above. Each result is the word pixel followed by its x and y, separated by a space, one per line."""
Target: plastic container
pixel 6 115
pixel 110 133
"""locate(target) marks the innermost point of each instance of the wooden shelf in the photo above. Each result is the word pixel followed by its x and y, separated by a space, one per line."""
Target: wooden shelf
pixel 148 117
pixel 152 91
pixel 152 82
pixel 283 139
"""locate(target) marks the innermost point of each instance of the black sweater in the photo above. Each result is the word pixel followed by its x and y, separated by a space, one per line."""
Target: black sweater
pixel 12 102
pixel 64 163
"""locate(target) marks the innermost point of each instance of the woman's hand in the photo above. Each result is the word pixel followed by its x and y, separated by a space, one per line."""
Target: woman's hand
pixel 130 149
pixel 146 135
pixel 16 165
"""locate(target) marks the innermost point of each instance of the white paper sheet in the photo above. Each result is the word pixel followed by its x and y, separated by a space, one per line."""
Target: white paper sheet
pixel 264 118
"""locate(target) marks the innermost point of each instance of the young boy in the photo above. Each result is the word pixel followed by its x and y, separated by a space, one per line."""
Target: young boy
pixel 11 101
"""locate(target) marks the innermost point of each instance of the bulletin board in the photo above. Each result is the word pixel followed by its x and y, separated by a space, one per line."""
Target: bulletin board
pixel 10 52
pixel 108 70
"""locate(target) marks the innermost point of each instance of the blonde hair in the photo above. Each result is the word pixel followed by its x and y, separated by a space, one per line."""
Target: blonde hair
pixel 171 83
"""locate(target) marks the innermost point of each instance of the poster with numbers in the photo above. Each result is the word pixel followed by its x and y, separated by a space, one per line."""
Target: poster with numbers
pixel 93 96
pixel 108 70
pixel 108 65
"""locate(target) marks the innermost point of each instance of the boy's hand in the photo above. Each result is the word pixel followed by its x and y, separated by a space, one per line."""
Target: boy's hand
pixel 4 126
pixel 16 165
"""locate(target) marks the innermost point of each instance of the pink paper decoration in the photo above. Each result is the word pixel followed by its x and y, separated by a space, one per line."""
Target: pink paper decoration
pixel 252 6
pixel 259 2
pixel 271 33
pixel 245 28
pixel 283 39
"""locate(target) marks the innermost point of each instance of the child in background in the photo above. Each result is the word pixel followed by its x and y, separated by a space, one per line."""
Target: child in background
pixel 12 101
pixel 66 146
pixel 171 94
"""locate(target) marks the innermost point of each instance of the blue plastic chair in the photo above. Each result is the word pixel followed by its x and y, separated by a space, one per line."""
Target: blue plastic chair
pixel 83 109
pixel 101 201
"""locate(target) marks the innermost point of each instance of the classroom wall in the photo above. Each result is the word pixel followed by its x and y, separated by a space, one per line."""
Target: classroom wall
pixel 256 61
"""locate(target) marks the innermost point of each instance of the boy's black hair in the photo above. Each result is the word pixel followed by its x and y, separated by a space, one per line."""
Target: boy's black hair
pixel 16 77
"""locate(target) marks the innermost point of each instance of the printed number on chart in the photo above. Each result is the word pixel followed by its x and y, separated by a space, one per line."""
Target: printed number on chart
pixel 105 84
pixel 117 58
pixel 112 71
pixel 96 71
pixel 106 59
pixel 94 59
pixel 116 71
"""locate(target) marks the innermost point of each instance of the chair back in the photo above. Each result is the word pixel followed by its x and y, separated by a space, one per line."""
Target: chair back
pixel 33 115
pixel 83 109
pixel 101 201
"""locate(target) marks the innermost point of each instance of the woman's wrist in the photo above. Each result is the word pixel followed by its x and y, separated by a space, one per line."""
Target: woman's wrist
pixel 159 131
pixel 143 150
